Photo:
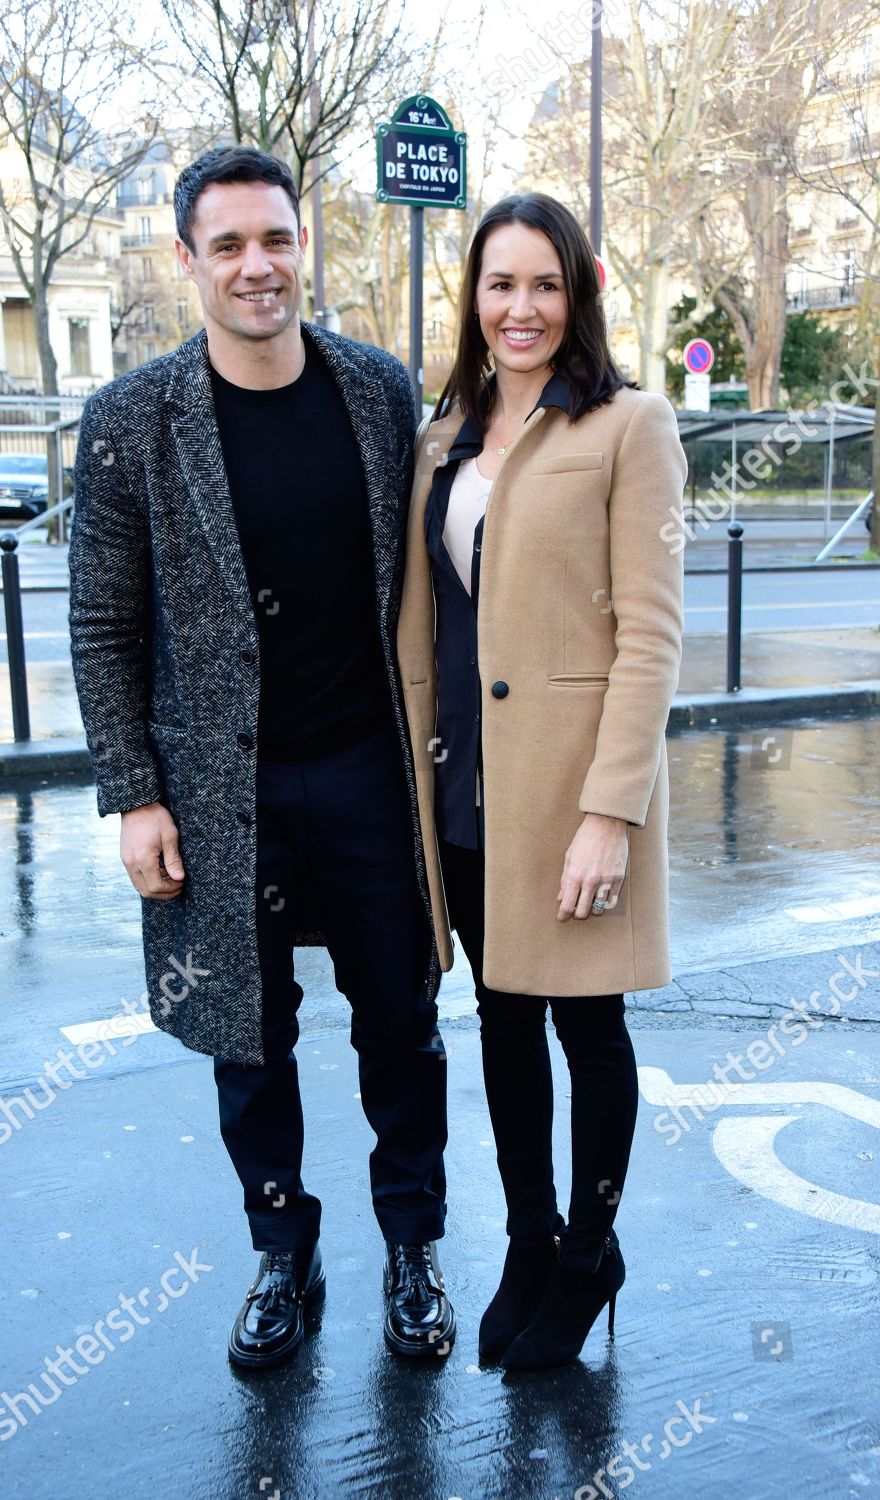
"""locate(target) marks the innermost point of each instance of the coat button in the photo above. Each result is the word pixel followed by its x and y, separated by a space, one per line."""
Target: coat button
pixel 248 657
pixel 246 741
pixel 500 690
pixel 244 819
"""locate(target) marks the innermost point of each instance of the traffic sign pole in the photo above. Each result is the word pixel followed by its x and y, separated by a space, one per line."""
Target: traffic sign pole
pixel 416 301
pixel 421 160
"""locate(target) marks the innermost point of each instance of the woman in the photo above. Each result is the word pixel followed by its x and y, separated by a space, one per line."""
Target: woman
pixel 537 707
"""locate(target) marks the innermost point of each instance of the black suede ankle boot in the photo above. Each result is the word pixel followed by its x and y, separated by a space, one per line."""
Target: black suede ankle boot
pixel 527 1270
pixel 570 1306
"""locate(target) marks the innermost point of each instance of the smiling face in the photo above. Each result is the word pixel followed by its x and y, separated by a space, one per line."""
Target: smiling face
pixel 521 301
pixel 248 258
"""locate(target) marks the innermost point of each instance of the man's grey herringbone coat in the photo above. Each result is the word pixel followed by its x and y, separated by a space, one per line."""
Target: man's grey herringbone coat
pixel 166 657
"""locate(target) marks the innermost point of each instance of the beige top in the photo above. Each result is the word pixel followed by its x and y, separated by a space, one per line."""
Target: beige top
pixel 467 506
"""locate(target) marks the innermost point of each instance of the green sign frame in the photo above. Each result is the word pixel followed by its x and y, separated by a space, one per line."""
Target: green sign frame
pixel 421 126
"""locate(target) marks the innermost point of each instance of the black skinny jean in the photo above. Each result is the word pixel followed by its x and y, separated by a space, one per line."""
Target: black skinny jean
pixel 519 1088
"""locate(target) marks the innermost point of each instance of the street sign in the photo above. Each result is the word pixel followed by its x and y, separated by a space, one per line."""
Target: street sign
pixel 699 356
pixel 421 159
pixel 697 393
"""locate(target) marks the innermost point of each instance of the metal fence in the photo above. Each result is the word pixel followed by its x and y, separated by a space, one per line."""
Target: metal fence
pixel 44 429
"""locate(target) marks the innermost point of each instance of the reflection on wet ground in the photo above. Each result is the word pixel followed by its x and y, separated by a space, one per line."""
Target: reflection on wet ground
pixel 748 1320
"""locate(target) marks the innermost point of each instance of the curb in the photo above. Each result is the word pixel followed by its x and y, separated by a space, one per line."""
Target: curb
pixel 805 567
pixel 754 706
pixel 42 757
pixel 749 707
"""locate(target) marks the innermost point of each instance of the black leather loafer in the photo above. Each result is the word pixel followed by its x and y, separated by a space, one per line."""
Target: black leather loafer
pixel 269 1326
pixel 419 1321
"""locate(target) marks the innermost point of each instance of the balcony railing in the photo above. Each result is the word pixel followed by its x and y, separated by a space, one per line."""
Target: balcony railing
pixel 835 294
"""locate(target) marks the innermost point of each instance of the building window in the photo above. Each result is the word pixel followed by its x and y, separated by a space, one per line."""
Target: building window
pixel 148 316
pixel 80 359
pixel 147 268
pixel 183 314
pixel 145 229
pixel 150 350
pixel 145 190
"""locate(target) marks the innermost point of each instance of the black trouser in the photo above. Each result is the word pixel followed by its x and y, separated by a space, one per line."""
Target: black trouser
pixel 335 838
pixel 519 1088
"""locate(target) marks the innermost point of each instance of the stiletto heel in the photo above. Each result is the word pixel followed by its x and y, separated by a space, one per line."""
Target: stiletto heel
pixel 611 1306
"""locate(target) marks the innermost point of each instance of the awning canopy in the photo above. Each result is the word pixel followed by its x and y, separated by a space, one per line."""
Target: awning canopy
pixel 845 423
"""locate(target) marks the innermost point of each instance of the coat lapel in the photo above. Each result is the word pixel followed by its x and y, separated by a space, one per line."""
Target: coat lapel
pixel 200 456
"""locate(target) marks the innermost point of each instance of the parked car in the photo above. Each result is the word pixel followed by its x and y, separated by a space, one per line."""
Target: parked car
pixel 24 485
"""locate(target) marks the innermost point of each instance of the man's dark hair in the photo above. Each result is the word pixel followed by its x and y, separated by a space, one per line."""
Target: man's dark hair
pixel 226 164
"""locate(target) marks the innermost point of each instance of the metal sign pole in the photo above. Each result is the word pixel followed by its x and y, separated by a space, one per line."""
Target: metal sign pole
pixel 596 130
pixel 416 301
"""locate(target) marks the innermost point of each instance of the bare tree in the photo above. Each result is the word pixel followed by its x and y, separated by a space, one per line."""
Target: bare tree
pixel 773 45
pixel 666 70
pixel 844 163
pixel 64 65
pixel 295 78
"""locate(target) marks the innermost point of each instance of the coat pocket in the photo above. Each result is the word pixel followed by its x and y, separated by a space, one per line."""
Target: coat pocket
pixel 565 463
pixel 579 679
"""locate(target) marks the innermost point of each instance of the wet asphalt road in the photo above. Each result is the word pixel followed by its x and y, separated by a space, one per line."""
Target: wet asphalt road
pixel 771 601
pixel 745 1360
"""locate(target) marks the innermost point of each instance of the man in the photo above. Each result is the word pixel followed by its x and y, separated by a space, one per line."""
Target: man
pixel 235 573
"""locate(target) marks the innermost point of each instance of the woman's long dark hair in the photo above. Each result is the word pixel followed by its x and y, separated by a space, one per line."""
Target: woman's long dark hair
pixel 583 355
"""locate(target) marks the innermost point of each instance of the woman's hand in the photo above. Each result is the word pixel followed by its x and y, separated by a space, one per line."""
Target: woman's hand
pixel 595 864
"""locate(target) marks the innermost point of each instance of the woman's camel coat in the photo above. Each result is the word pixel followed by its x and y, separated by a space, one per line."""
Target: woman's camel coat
pixel 580 613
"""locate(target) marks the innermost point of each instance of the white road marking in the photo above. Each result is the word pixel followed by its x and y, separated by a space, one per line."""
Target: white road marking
pixel 42 635
pixel 835 911
pixel 718 609
pixel 113 1028
pixel 657 1088
pixel 746 1147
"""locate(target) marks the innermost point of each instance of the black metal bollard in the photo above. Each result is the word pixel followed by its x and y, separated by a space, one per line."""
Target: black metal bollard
pixel 734 606
pixel 21 724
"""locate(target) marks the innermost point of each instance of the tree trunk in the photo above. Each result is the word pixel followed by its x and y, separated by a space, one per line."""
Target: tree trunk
pixel 655 325
pixel 767 212
pixel 40 313
pixel 49 373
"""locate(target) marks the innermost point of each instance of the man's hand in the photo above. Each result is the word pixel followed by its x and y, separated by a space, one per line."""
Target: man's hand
pixel 148 847
pixel 595 864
